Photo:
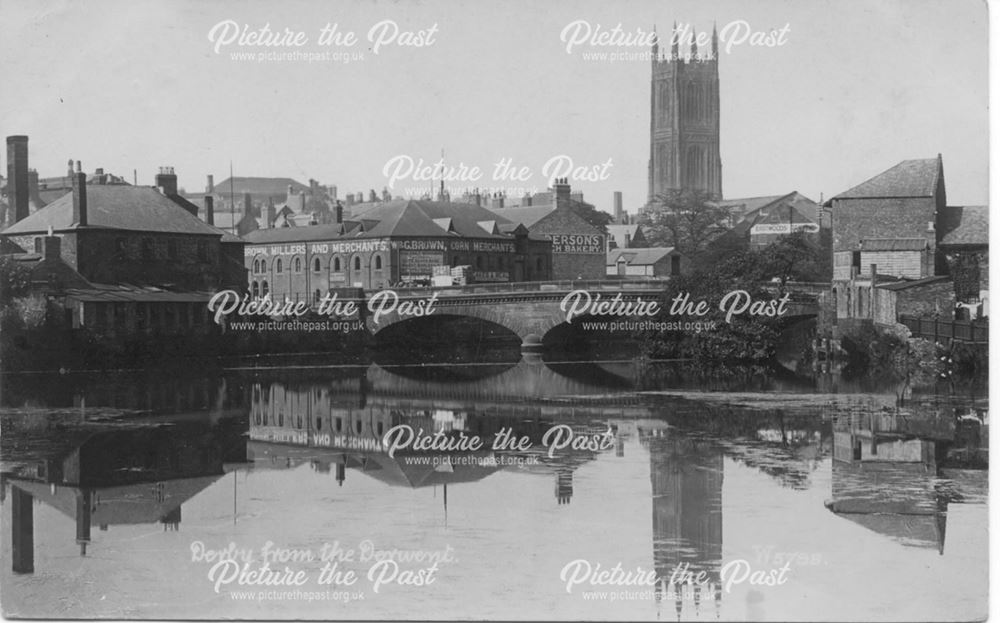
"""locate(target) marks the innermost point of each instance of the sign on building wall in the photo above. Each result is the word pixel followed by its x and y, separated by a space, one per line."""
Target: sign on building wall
pixel 578 243
pixel 486 277
pixel 783 228
pixel 419 263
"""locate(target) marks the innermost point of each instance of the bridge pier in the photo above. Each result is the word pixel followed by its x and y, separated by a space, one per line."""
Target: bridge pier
pixel 531 343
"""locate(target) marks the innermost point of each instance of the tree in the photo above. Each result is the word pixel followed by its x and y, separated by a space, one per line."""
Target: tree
pixel 15 280
pixel 687 220
pixel 592 215
pixel 794 257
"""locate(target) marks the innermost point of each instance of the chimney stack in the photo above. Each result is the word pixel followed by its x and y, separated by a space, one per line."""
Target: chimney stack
pixel 79 195
pixel 210 208
pixel 618 208
pixel 333 193
pixel 17 175
pixel 526 200
pixel 210 185
pixel 270 215
pixel 339 209
pixel 166 181
pixel 562 191
pixel 51 248
pixel 372 197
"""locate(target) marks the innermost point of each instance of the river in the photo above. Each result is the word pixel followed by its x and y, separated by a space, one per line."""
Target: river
pixel 623 490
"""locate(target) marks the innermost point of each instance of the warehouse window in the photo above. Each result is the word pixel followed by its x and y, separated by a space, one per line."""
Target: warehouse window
pixel 277 265
pixel 316 266
pixel 357 262
pixel 378 262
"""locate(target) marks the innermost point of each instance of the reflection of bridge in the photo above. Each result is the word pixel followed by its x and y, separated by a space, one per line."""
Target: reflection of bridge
pixel 531 309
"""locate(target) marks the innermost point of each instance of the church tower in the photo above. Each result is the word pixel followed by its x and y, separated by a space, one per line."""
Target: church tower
pixel 684 121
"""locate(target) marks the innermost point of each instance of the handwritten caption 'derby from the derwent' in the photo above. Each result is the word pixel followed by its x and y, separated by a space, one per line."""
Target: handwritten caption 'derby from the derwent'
pixel 330 565
pixel 734 304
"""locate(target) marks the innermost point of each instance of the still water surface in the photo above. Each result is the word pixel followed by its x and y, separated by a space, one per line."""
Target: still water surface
pixel 855 503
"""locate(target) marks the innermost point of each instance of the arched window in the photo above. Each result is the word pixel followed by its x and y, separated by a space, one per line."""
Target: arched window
pixel 255 290
pixel 335 264
pixel 277 265
pixel 264 291
pixel 316 267
pixel 378 262
pixel 316 296
pixel 298 264
pixel 357 262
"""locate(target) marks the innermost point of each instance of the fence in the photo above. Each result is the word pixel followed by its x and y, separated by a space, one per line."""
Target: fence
pixel 940 330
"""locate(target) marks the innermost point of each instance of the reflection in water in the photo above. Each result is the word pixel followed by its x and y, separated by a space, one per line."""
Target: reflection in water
pixel 887 471
pixel 110 454
pixel 686 474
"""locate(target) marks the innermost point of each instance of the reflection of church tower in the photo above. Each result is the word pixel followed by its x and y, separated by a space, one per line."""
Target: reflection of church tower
pixel 684 122
pixel 564 486
pixel 686 477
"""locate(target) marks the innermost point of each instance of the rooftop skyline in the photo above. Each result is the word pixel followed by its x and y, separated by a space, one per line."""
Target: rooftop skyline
pixel 852 91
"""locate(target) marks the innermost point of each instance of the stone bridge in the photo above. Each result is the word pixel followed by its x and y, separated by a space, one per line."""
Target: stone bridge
pixel 532 309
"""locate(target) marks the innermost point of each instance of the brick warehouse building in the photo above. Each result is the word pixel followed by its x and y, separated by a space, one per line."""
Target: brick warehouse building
pixel 395 242
pixel 578 248
pixel 891 221
pixel 139 257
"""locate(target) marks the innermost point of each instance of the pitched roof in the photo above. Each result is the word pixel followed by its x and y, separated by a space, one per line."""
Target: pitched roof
pixel 964 225
pixel 639 256
pixel 132 208
pixel 258 186
pixel 909 178
pixel 893 244
pixel 397 218
pixel 527 216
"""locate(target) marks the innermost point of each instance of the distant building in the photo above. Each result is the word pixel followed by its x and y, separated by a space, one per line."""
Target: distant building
pixel 625 236
pixel 395 242
pixel 765 220
pixel 646 262
pixel 578 248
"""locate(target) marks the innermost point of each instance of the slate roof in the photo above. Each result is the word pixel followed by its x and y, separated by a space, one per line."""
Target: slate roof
pixel 527 216
pixel 258 186
pixel 964 225
pixel 639 256
pixel 397 218
pixel 132 208
pixel 909 178
pixel 893 244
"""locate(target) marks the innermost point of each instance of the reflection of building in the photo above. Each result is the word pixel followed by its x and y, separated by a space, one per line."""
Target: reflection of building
pixel 885 479
pixel 686 476
pixel 113 476
pixel 337 423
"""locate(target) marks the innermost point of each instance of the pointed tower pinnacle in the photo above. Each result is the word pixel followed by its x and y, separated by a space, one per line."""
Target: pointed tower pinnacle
pixel 694 43
pixel 656 44
pixel 715 42
pixel 674 52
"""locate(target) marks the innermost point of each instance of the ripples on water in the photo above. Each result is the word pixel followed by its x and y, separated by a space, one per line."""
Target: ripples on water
pixel 854 487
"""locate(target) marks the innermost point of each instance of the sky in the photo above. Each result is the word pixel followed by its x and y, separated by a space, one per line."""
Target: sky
pixel 855 87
